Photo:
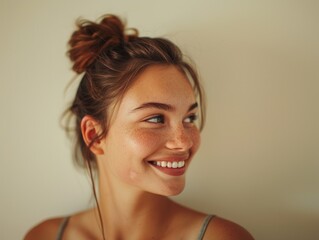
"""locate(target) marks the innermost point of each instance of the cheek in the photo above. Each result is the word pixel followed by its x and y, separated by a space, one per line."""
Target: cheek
pixel 140 144
pixel 145 141
pixel 126 151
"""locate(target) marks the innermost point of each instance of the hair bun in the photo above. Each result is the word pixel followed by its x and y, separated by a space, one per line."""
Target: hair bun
pixel 91 38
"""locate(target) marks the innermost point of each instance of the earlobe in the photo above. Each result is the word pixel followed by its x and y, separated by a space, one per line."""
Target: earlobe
pixel 90 129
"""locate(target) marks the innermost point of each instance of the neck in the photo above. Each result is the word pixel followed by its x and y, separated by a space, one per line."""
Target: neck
pixel 129 213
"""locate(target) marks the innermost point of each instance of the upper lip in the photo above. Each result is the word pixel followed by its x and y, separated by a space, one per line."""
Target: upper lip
pixel 171 158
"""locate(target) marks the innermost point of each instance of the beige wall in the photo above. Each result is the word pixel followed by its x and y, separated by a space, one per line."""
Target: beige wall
pixel 259 161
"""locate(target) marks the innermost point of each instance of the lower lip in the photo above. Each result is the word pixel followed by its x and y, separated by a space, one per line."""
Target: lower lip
pixel 171 171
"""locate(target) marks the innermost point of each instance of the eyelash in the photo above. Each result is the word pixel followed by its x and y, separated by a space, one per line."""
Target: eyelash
pixel 192 118
pixel 161 119
pixel 157 118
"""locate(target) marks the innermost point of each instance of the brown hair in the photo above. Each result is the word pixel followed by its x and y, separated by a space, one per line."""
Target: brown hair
pixel 111 57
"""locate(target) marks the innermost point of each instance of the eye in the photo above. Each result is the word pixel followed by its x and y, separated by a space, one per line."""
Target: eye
pixel 191 118
pixel 156 119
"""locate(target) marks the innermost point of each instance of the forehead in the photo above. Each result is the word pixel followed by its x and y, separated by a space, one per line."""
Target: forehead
pixel 161 83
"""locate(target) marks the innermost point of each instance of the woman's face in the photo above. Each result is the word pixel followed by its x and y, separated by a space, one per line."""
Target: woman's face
pixel 152 136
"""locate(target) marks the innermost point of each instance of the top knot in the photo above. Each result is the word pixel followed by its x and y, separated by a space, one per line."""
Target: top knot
pixel 91 38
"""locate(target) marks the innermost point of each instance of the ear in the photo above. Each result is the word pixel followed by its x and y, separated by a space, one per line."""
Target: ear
pixel 90 129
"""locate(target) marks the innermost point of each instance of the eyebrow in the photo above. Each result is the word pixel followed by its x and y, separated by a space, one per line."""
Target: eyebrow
pixel 162 106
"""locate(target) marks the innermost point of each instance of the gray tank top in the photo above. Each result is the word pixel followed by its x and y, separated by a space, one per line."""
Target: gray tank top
pixel 62 227
pixel 204 226
pixel 207 219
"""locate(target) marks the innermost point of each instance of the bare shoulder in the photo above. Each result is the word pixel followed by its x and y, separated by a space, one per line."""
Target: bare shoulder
pixel 223 229
pixel 45 230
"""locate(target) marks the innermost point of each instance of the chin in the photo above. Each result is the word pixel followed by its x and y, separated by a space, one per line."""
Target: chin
pixel 173 189
pixel 171 194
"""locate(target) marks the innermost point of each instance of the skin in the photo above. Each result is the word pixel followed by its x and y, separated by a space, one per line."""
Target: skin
pixel 133 193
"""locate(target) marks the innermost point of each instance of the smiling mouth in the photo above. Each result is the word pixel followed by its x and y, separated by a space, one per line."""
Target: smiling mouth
pixel 166 164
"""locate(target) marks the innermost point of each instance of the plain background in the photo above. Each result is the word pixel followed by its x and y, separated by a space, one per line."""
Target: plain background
pixel 258 163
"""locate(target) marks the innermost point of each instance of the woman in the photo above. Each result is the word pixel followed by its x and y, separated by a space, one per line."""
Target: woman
pixel 135 115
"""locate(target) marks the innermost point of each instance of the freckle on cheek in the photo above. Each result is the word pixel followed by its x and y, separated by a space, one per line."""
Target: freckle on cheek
pixel 146 140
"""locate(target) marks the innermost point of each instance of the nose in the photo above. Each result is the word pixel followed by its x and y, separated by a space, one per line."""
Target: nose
pixel 180 139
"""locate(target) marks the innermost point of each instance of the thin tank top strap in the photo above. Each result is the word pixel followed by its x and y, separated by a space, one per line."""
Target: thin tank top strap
pixel 204 226
pixel 62 227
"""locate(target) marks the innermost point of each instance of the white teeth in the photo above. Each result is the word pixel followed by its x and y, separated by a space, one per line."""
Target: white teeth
pixel 181 164
pixel 165 164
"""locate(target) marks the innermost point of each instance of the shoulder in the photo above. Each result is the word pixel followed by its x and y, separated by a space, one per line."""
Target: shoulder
pixel 223 229
pixel 45 230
